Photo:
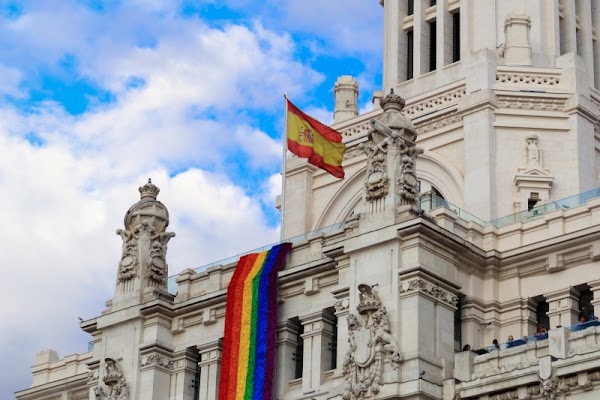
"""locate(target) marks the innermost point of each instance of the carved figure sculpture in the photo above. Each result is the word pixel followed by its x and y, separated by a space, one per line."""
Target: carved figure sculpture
pixel 534 154
pixel 369 346
pixel 129 257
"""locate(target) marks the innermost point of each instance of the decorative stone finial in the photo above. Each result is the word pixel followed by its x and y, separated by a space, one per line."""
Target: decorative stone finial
pixel 392 102
pixel 149 190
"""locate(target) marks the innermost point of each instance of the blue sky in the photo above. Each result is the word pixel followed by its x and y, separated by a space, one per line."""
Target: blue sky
pixel 97 96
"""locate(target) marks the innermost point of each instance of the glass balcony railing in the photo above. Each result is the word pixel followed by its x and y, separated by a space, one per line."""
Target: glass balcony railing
pixel 172 284
pixel 430 201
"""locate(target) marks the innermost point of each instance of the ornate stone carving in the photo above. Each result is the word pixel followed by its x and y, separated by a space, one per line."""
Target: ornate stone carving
pixel 391 153
pixel 419 284
pixel 511 395
pixel 157 265
pixel 377 183
pixel 438 122
pixel 156 360
pixel 430 104
pixel 524 78
pixel 370 345
pixel 341 305
pixel 549 388
pixel 144 242
pixel 531 103
pixel 534 154
pixel 408 184
pixel 129 259
pixel 115 383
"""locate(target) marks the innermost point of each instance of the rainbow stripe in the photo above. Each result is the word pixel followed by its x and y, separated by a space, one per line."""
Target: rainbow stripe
pixel 248 358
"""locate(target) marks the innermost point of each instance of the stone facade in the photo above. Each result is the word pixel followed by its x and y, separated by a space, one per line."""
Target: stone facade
pixel 379 296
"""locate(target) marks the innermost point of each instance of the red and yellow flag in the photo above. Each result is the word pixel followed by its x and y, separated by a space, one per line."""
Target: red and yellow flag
pixel 308 138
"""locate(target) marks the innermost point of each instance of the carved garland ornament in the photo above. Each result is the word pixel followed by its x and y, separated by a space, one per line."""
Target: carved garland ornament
pixel 370 344
pixel 418 284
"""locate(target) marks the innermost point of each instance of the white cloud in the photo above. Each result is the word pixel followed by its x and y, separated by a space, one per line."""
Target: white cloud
pixel 66 192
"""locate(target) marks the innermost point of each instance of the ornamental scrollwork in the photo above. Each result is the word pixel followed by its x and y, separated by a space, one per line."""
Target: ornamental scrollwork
pixel 419 284
pixel 156 360
pixel 370 344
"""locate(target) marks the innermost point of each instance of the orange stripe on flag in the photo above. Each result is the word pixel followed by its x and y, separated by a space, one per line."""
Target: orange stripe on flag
pixel 308 138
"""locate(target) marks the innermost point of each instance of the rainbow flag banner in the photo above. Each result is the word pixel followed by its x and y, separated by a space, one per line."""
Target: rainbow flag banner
pixel 248 359
pixel 309 138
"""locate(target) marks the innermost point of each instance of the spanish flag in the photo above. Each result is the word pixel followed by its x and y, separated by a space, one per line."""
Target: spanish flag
pixel 308 138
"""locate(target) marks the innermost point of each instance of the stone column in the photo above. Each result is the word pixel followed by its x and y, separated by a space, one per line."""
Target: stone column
pixel 421 39
pixel 185 364
pixel 298 197
pixel 518 45
pixel 318 331
pixel 595 289
pixel 585 38
pixel 563 307
pixel 427 327
pixel 568 41
pixel 287 335
pixel 443 34
pixel 342 309
pixel 480 153
pixel 596 43
pixel 394 45
pixel 210 369
pixel 156 366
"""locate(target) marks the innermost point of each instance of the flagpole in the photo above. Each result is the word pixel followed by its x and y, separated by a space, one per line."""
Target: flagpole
pixel 283 163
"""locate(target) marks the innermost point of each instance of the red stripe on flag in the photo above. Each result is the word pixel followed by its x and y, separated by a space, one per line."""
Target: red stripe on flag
pixel 314 158
pixel 330 134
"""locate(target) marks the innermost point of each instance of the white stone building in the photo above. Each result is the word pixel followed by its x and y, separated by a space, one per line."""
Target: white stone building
pixel 381 291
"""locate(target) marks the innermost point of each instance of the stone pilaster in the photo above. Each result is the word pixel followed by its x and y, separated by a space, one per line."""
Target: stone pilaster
pixel 287 335
pixel 156 366
pixel 595 289
pixel 563 307
pixel 318 332
pixel 427 326
pixel 342 309
pixel 185 365
pixel 210 369
pixel 298 197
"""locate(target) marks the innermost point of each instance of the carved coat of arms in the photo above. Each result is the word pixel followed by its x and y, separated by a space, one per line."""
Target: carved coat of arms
pixel 370 345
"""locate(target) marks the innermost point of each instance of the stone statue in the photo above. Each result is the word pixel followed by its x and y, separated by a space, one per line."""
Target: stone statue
pixel 369 346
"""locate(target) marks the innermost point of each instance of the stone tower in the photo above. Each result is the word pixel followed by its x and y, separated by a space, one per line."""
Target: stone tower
pixel 346 98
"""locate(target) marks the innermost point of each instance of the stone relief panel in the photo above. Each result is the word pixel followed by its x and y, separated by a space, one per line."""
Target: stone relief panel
pixel 370 344
pixel 115 384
